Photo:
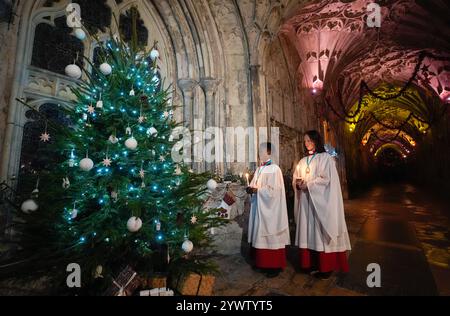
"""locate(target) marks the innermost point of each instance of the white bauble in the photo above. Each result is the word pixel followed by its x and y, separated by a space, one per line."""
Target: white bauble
pixel 134 224
pixel 86 164
pixel 99 104
pixel 29 206
pixel 211 185
pixel 73 71
pixel 131 143
pixel 154 54
pixel 74 213
pixel 106 69
pixel 80 34
pixel 187 246
pixel 132 93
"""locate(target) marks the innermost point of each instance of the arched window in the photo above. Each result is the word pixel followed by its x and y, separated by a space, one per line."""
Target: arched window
pixel 36 155
pixel 54 47
pixel 126 28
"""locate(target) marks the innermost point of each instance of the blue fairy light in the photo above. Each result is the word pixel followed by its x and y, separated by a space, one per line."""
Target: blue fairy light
pixel 101 201
pixel 160 237
pixel 82 240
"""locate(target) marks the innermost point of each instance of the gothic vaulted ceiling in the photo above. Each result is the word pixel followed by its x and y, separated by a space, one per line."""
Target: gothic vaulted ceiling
pixel 338 50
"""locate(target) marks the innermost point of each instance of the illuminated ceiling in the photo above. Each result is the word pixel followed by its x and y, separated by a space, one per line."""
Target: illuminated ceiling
pixel 338 50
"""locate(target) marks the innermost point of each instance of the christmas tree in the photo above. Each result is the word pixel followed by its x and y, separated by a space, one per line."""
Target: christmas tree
pixel 114 196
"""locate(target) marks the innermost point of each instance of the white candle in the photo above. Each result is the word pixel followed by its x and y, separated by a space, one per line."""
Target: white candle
pixel 247 175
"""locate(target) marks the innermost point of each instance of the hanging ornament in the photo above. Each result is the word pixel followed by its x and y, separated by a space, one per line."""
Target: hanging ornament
pixel 178 170
pixel 66 183
pixel 154 54
pixel 113 139
pixel 142 171
pixel 134 224
pixel 86 164
pixel 166 114
pixel 99 104
pixel 80 34
pixel 106 69
pixel 85 116
pixel 132 93
pixel 211 185
pixel 162 158
pixel 131 143
pixel 73 71
pixel 45 137
pixel 74 212
pixel 29 205
pixel 114 196
pixel 91 109
pixel 98 272
pixel 194 219
pixel 171 138
pixel 107 162
pixel 72 160
pixel 152 131
pixel 158 226
pixel 141 119
pixel 128 130
pixel 143 184
pixel 187 245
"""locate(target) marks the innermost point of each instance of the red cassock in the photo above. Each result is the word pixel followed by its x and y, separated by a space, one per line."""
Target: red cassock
pixel 324 262
pixel 269 258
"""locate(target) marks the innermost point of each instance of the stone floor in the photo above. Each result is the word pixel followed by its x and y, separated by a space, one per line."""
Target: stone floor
pixel 395 225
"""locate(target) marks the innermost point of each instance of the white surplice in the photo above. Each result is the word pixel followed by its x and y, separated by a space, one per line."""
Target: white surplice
pixel 268 226
pixel 319 212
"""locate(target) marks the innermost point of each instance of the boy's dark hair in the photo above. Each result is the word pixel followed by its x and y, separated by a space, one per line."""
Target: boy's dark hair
pixel 317 139
pixel 268 147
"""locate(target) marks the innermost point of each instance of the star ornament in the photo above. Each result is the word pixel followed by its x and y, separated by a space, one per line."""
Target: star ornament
pixel 142 173
pixel 91 109
pixel 193 219
pixel 107 162
pixel 162 158
pixel 45 137
pixel 166 114
pixel 141 119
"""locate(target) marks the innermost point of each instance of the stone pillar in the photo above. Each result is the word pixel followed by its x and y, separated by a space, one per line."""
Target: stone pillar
pixel 187 86
pixel 209 86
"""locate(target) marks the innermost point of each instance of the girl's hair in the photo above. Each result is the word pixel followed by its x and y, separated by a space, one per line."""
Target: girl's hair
pixel 317 140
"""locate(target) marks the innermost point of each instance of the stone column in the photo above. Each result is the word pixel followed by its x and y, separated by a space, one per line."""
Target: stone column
pixel 187 86
pixel 209 86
